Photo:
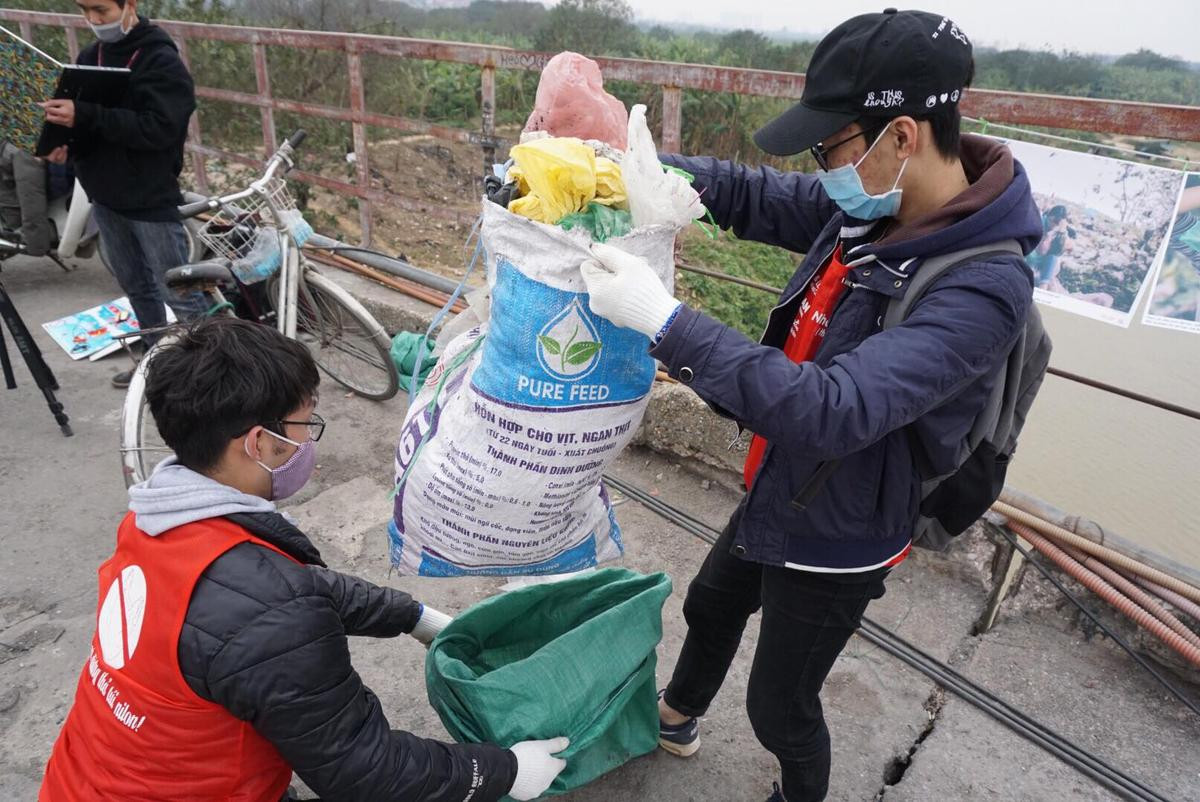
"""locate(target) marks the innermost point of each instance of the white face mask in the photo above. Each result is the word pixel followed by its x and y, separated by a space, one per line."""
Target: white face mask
pixel 112 31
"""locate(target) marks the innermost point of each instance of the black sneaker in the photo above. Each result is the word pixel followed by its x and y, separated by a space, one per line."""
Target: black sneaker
pixel 681 740
pixel 776 795
pixel 121 380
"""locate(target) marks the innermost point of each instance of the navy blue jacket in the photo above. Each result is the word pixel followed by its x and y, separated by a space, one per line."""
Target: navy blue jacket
pixel 865 386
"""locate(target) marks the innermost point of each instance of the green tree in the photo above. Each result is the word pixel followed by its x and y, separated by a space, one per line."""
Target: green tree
pixel 591 27
pixel 1149 60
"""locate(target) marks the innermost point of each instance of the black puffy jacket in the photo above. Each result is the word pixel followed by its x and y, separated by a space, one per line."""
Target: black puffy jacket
pixel 128 157
pixel 265 638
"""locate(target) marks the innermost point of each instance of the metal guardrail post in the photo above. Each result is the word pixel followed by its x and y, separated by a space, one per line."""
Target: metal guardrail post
pixel 27 31
pixel 263 79
pixel 199 162
pixel 72 43
pixel 358 105
pixel 672 119
pixel 487 108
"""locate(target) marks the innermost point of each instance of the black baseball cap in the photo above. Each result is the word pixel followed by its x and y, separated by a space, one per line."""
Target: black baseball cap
pixel 875 65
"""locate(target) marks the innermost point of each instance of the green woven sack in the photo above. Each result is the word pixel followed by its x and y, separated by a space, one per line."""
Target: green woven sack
pixel 404 354
pixel 573 658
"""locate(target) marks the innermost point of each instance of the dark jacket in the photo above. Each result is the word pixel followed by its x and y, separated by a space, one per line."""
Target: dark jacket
pixel 266 638
pixel 865 386
pixel 129 157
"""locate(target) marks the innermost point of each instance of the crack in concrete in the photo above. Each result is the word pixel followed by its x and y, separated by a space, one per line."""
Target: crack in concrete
pixel 894 771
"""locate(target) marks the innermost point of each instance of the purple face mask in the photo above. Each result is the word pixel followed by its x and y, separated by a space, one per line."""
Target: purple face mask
pixel 288 478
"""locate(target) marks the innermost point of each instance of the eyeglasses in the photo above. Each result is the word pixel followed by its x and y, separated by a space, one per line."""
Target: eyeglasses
pixel 820 151
pixel 315 424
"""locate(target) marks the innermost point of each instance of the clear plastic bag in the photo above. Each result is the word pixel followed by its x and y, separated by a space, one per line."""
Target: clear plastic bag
pixel 655 196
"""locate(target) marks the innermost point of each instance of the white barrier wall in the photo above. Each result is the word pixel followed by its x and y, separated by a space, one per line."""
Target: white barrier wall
pixel 1125 465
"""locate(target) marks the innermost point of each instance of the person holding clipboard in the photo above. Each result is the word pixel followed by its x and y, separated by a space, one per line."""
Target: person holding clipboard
pixel 128 156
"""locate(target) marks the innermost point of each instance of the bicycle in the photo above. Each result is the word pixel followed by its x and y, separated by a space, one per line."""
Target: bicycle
pixel 256 235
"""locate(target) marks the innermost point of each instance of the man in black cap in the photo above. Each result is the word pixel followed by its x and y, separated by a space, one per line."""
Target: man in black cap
pixel 828 385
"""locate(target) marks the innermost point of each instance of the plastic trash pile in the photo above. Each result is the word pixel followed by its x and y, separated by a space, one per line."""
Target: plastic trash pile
pixel 579 156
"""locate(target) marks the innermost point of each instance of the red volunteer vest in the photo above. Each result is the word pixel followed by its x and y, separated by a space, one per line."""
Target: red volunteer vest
pixel 805 336
pixel 137 731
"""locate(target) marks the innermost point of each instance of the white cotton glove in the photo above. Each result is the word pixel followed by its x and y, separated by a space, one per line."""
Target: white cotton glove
pixel 429 624
pixel 536 767
pixel 624 289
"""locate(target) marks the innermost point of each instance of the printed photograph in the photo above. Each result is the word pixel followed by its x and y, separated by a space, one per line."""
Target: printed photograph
pixel 1105 223
pixel 1175 299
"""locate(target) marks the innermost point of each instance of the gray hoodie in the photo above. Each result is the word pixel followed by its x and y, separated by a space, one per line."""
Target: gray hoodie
pixel 175 495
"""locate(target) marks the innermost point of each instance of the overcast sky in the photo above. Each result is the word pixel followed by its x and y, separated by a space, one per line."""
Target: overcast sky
pixel 1171 27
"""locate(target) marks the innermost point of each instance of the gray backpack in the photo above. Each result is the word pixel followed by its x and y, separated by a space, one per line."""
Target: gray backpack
pixel 951 502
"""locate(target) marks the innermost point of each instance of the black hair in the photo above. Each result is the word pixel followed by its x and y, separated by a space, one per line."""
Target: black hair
pixel 1058 212
pixel 945 123
pixel 219 378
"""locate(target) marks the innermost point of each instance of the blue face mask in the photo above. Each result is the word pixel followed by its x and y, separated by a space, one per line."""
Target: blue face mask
pixel 844 186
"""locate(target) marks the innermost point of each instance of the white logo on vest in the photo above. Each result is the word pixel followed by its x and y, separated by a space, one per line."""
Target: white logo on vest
pixel 120 622
pixel 118 628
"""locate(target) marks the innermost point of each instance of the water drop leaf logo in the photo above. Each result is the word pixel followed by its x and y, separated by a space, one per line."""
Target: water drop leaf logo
pixel 581 353
pixel 569 346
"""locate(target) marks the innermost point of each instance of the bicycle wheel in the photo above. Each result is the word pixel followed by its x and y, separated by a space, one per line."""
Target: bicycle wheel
pixel 141 446
pixel 346 342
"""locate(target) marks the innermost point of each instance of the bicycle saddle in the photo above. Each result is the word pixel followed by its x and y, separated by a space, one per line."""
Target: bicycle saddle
pixel 207 272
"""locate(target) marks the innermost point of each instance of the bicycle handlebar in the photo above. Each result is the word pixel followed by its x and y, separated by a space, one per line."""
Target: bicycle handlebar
pixel 278 158
pixel 11 247
pixel 190 210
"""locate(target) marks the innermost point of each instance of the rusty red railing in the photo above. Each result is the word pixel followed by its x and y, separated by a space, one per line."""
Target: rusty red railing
pixel 1085 114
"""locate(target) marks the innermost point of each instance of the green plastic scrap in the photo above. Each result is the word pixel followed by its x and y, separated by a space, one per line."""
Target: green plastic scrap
pixel 404 354
pixel 603 222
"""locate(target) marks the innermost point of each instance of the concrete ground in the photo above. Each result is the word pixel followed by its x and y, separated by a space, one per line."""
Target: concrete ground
pixel 896 736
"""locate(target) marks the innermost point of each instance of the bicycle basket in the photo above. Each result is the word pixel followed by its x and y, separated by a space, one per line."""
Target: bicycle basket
pixel 246 234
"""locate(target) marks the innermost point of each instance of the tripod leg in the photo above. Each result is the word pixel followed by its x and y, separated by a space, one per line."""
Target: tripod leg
pixel 38 368
pixel 10 380
pixel 60 415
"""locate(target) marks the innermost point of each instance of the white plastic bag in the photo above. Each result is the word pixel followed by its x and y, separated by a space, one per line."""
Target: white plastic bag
pixel 655 196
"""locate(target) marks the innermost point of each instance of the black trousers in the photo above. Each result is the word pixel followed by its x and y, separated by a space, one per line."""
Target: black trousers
pixel 807 617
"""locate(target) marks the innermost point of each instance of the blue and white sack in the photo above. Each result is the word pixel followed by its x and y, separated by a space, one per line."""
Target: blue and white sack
pixel 499 462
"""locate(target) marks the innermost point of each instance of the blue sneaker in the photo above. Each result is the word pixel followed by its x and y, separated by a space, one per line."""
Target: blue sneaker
pixel 681 740
pixel 776 795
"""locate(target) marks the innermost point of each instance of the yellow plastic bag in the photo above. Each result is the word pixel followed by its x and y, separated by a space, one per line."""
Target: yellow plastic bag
pixel 560 174
pixel 610 186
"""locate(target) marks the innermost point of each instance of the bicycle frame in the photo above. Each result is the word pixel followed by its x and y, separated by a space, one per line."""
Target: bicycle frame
pixel 290 260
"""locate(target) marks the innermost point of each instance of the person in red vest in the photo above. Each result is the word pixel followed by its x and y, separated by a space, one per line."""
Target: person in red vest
pixel 220 662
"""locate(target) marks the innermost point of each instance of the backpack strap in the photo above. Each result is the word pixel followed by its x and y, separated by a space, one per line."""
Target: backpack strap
pixel 1002 397
pixel 929 271
pixel 934 268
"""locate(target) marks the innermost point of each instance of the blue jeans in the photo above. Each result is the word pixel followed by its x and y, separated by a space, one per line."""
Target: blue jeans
pixel 139 254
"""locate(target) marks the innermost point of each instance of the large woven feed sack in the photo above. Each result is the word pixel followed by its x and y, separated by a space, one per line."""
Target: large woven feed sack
pixel 499 461
pixel 573 658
